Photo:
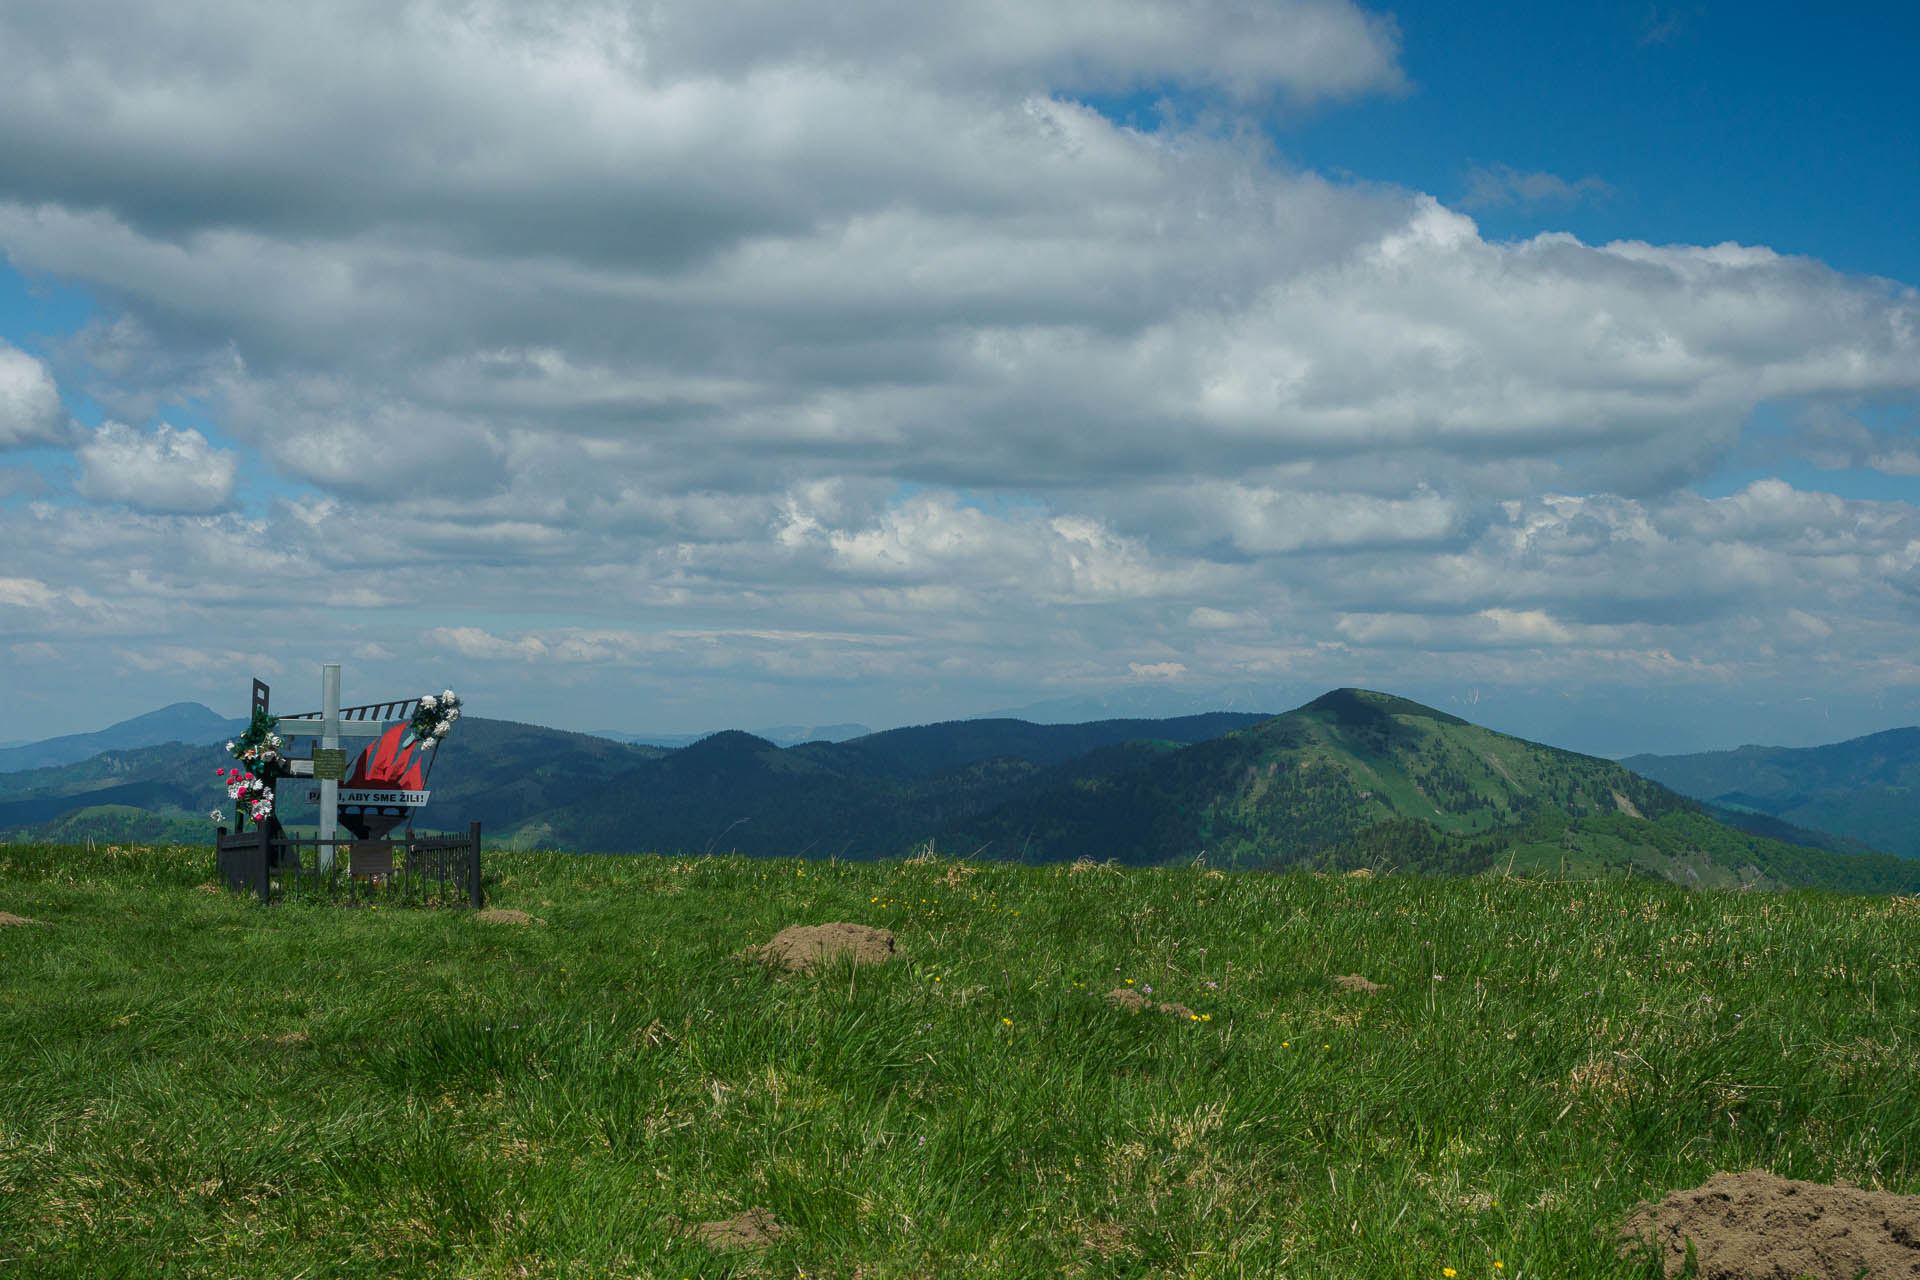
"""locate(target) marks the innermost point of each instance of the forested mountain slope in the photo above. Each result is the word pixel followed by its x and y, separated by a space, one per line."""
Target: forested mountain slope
pixel 1357 778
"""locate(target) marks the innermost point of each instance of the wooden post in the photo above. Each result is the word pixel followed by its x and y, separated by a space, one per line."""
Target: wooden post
pixel 473 871
pixel 262 882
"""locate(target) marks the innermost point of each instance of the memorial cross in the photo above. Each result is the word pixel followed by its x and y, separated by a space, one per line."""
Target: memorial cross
pixel 329 728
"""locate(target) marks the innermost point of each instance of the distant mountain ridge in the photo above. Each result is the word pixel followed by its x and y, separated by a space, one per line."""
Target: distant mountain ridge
pixel 188 722
pixel 1866 788
pixel 866 798
pixel 553 788
pixel 785 735
pixel 1354 778
pixel 1144 702
pixel 1363 779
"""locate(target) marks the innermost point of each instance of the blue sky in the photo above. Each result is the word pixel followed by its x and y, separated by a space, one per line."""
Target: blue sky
pixel 678 366
pixel 1763 123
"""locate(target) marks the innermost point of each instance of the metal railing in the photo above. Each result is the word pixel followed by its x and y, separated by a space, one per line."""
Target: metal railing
pixel 402 870
pixel 399 710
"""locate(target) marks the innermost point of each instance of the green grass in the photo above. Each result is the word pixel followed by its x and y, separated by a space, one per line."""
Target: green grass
pixel 196 1086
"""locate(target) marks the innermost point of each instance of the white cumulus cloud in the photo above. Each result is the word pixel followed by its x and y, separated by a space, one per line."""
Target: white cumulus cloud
pixel 163 471
pixel 30 409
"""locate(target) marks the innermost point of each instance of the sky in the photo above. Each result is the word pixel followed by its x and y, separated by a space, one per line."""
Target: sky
pixel 678 366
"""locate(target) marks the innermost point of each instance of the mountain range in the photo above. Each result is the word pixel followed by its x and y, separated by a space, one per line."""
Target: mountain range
pixel 181 722
pixel 1361 779
pixel 1351 779
pixel 1867 788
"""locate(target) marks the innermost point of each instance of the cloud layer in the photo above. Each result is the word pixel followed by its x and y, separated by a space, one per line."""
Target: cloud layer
pixel 844 357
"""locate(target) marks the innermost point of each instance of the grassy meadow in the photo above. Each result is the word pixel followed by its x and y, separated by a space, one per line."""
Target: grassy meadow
pixel 196 1086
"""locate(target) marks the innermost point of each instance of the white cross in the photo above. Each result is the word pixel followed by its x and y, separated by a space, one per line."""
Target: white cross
pixel 330 728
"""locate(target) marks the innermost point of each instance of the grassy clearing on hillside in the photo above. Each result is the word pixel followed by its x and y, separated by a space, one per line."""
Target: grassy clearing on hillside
pixel 196 1086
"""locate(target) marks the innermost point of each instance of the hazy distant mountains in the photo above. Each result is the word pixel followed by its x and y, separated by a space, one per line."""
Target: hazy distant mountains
pixel 784 735
pixel 1353 778
pixel 181 722
pixel 1146 702
pixel 148 793
pixel 533 786
pixel 1865 788
pixel 733 791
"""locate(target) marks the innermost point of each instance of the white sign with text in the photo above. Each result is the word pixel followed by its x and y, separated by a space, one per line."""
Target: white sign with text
pixel 363 796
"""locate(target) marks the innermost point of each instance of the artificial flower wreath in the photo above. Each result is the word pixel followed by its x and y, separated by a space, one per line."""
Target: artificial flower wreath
pixel 434 717
pixel 258 749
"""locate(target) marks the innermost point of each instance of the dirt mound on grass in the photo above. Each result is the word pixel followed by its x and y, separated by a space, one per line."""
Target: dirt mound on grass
pixel 753 1228
pixel 7 918
pixel 1755 1226
pixel 1134 1002
pixel 505 915
pixel 1354 982
pixel 800 947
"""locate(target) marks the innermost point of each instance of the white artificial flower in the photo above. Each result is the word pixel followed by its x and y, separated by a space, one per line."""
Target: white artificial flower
pixel 452 716
pixel 229 746
pixel 219 816
pixel 427 703
pixel 448 696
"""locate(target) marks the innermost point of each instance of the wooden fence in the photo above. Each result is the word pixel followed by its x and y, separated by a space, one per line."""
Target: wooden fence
pixel 410 869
